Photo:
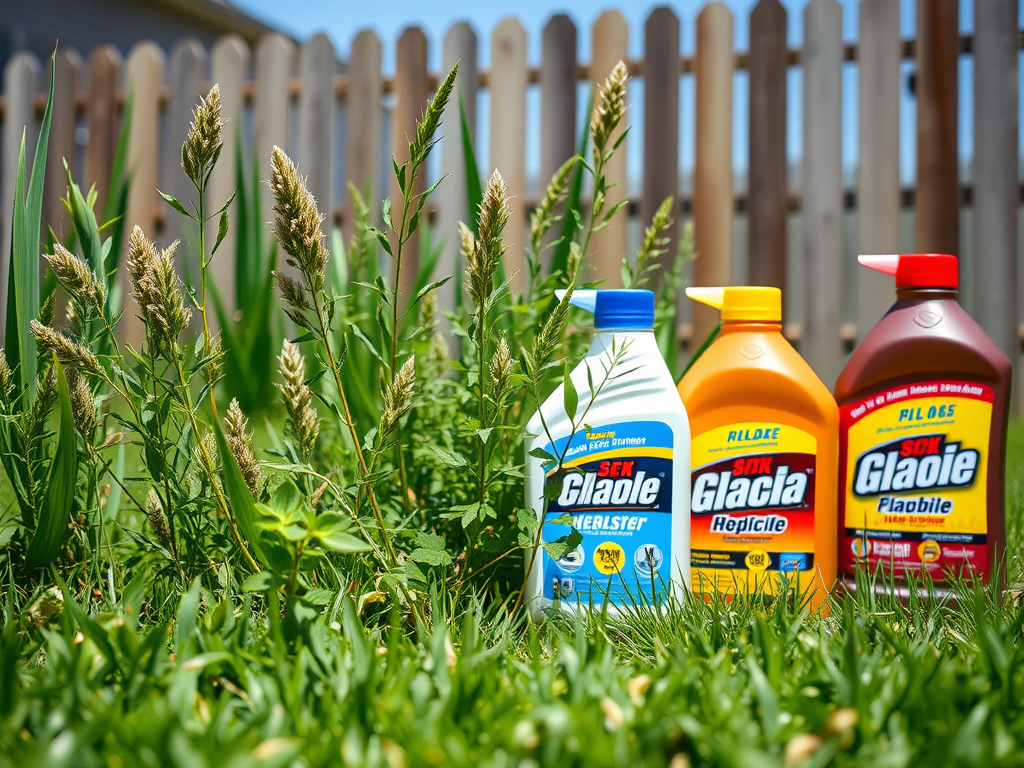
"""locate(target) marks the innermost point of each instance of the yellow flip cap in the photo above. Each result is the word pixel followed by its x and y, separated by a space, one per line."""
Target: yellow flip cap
pixel 747 302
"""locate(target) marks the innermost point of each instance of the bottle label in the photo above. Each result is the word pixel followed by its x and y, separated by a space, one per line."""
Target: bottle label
pixel 752 508
pixel 616 486
pixel 913 469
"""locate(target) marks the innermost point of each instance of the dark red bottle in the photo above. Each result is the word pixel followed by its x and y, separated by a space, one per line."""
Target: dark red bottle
pixel 923 405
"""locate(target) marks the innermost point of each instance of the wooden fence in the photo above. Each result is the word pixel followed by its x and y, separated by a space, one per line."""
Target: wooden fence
pixel 343 124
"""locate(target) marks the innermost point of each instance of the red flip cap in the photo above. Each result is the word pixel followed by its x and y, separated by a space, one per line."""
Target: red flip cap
pixel 916 270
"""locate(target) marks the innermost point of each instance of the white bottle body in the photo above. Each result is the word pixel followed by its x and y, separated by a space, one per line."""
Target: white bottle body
pixel 625 482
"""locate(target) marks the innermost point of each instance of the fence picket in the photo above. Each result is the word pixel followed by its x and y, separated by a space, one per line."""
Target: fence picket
pixel 822 188
pixel 661 121
pixel 229 68
pixel 145 70
pixel 21 80
pixel 460 45
pixel 508 136
pixel 713 174
pixel 316 121
pixel 557 101
pixel 411 95
pixel 996 96
pixel 363 123
pixel 186 71
pixel 101 121
pixel 938 193
pixel 67 72
pixel 878 151
pixel 274 62
pixel 608 246
pixel 766 244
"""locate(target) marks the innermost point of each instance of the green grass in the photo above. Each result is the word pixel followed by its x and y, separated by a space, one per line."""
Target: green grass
pixel 874 684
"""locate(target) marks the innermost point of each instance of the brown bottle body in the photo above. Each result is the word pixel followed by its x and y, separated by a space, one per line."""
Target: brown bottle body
pixel 925 341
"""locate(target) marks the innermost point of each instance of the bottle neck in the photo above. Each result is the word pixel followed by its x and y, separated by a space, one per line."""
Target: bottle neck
pixel 748 326
pixel 927 294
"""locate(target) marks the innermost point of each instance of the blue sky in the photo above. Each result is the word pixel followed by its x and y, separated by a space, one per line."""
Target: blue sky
pixel 342 20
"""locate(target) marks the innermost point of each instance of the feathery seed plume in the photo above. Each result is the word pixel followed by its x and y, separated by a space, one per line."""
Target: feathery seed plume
pixel 46 398
pixel 157 290
pixel 68 351
pixel 203 145
pixel 157 521
pixel 425 128
pixel 293 294
pixel 488 246
pixel 549 336
pixel 240 441
pixel 48 309
pixel 398 397
pixel 502 368
pixel 83 405
pixel 545 216
pixel 6 377
pixel 303 423
pixel 76 277
pixel 611 107
pixel 297 220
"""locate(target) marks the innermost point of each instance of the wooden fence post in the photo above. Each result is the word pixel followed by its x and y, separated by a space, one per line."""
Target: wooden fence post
pixel 229 68
pixel 186 73
pixel 557 103
pixel 996 197
pixel 145 70
pixel 938 193
pixel 713 174
pixel 608 246
pixel 822 188
pixel 878 153
pixel 21 79
pixel 105 65
pixel 460 45
pixel 508 136
pixel 766 197
pixel 661 122
pixel 363 124
pixel 316 122
pixel 274 59
pixel 411 95
pixel 67 73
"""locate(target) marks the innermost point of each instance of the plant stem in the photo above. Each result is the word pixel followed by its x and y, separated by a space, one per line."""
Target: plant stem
pixel 207 346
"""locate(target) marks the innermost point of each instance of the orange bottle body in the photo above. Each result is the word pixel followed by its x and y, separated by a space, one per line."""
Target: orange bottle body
pixel 764 456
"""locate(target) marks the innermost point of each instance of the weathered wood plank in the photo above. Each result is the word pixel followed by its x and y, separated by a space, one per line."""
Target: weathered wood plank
pixel 105 65
pixel 608 246
pixel 316 120
pixel 229 68
pixel 557 101
pixel 411 97
pixel 67 74
pixel 822 188
pixel 996 97
pixel 460 45
pixel 508 136
pixel 712 184
pixel 363 122
pixel 273 65
pixel 938 205
pixel 186 71
pixel 21 80
pixel 878 170
pixel 145 72
pixel 766 246
pixel 661 120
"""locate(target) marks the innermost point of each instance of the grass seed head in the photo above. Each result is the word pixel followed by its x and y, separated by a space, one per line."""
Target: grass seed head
pixel 800 749
pixel 297 222
pixel 485 250
pixel 156 288
pixel 68 351
pixel 610 109
pixel 6 377
pixel 303 422
pixel 502 368
pixel 76 277
pixel 157 521
pixel 203 144
pixel 545 215
pixel 427 127
pixel 240 441
pixel 398 397
pixel 83 405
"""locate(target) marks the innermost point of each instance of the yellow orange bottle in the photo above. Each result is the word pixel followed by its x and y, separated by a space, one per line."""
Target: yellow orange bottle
pixel 764 456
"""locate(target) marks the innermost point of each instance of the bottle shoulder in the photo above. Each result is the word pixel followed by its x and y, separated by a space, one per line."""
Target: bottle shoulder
pixel 922 340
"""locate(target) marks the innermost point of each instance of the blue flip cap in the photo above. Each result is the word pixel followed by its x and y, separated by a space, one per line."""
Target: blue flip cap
pixel 619 309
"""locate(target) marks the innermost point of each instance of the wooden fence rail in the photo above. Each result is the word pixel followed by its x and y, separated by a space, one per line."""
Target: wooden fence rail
pixel 340 123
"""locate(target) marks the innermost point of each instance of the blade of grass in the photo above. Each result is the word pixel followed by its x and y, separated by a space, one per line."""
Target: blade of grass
pixel 52 528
